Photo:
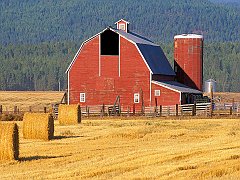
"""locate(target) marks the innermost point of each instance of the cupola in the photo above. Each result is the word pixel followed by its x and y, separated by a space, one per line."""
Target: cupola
pixel 122 25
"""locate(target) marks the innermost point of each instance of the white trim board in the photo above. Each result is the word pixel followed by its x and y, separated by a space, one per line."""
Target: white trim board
pixel 99 57
pixel 119 56
pixel 154 82
pixel 68 88
pixel 86 41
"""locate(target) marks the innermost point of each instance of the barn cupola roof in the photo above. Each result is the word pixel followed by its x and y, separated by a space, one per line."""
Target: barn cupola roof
pixel 122 25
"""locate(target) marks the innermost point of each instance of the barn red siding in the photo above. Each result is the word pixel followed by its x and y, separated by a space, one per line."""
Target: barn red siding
pixel 134 74
pixel 84 76
pixel 167 96
pixel 84 71
pixel 109 66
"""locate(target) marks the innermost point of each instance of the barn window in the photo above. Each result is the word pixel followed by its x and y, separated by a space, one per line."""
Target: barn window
pixel 136 97
pixel 157 93
pixel 122 27
pixel 109 43
pixel 82 97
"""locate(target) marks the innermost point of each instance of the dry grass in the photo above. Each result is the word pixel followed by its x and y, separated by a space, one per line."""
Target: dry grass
pixel 38 126
pixel 69 114
pixel 23 99
pixel 226 96
pixel 9 141
pixel 132 149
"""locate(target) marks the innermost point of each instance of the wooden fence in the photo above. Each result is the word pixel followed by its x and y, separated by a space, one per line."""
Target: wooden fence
pixel 18 109
pixel 197 109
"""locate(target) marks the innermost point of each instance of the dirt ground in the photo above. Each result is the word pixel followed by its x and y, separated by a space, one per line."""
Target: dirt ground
pixel 132 149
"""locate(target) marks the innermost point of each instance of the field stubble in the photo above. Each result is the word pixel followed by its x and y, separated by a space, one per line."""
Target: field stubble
pixel 23 99
pixel 123 149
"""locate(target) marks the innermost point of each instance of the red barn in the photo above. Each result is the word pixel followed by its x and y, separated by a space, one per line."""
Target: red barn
pixel 117 62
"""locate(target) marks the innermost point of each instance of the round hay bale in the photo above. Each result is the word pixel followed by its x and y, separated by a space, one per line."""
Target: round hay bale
pixel 69 114
pixel 9 141
pixel 38 126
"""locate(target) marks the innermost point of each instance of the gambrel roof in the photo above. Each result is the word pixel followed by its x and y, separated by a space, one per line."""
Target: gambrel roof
pixel 151 53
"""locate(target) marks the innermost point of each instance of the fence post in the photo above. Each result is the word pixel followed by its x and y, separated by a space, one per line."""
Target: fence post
pixel 155 111
pixel 211 98
pixel 156 104
pixel 168 111
pixel 102 111
pixel 45 109
pixel 80 112
pixel 160 110
pixel 194 109
pixel 0 109
pixel 30 109
pixel 142 110
pixel 128 111
pixel 233 104
pixel 120 110
pixel 133 109
pixel 88 111
pixel 15 110
pixel 176 109
pixel 231 111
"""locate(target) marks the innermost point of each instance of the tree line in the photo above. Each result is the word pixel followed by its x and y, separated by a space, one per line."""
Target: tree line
pixel 36 21
pixel 43 66
pixel 38 39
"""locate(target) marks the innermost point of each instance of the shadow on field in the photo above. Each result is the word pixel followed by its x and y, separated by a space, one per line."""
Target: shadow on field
pixel 33 158
pixel 65 137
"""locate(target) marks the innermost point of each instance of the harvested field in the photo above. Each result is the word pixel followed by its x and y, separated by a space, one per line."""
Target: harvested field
pixel 132 149
pixel 24 99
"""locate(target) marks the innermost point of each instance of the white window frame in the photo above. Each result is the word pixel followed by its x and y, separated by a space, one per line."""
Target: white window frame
pixel 82 97
pixel 122 27
pixel 157 92
pixel 136 98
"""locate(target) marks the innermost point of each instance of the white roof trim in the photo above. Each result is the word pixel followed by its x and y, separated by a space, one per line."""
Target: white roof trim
pixel 155 82
pixel 75 57
pixel 143 58
pixel 178 87
pixel 136 47
pixel 186 36
pixel 122 20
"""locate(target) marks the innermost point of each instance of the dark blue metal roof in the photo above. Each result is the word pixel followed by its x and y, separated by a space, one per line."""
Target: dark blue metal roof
pixel 134 37
pixel 152 53
pixel 156 59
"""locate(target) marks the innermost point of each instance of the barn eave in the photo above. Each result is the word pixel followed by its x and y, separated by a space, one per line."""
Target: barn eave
pixel 140 43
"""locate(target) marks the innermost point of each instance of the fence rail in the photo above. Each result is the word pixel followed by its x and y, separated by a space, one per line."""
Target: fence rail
pixel 196 109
